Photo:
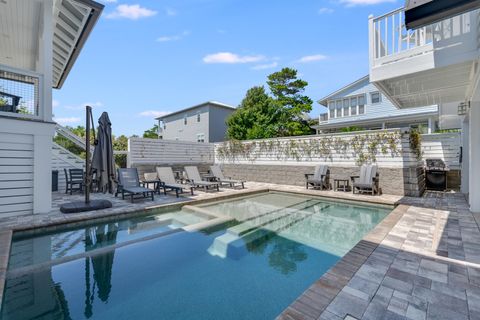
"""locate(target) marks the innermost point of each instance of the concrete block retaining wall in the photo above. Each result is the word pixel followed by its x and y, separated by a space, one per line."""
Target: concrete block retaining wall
pixel 395 181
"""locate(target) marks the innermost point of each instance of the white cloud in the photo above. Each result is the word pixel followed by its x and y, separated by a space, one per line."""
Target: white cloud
pixel 55 103
pixel 265 66
pixel 67 120
pixel 174 37
pixel 325 10
pixel 83 105
pixel 312 58
pixel 352 3
pixel 153 113
pixel 231 58
pixel 132 12
pixel 171 12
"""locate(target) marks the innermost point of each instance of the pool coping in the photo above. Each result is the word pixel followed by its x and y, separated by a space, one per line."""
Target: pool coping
pixel 314 301
pixel 6 235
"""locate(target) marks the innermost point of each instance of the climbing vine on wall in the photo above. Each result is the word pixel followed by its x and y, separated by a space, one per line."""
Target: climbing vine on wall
pixel 363 148
pixel 415 140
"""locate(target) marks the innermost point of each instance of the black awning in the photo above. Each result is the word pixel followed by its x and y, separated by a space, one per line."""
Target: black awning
pixel 419 13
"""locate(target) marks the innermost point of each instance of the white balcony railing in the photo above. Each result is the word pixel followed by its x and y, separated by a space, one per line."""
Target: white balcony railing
pixel 390 40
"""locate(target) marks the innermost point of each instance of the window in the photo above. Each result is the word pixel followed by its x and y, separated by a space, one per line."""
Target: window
pixel 346 106
pixel 185 120
pixel 331 109
pixel 376 97
pixel 338 104
pixel 198 117
pixel 200 137
pixel 361 104
pixel 353 106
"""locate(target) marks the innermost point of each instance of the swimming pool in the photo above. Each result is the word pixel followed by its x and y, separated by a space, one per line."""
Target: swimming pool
pixel 265 251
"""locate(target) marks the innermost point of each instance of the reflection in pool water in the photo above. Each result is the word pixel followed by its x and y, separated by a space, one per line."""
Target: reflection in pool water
pixel 177 275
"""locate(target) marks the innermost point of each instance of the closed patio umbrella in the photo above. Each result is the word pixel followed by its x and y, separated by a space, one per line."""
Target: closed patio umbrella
pixel 103 162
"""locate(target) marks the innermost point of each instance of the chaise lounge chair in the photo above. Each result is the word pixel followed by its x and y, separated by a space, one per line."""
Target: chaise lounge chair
pixel 193 176
pixel 128 183
pixel 165 174
pixel 319 179
pixel 220 178
pixel 367 181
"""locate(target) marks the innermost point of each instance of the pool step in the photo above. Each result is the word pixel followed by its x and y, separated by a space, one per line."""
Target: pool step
pixel 233 242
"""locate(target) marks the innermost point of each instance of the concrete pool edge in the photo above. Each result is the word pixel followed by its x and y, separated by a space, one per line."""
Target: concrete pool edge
pixel 314 301
pixel 5 242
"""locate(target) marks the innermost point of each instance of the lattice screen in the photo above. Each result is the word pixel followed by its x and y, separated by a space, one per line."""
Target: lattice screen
pixel 18 93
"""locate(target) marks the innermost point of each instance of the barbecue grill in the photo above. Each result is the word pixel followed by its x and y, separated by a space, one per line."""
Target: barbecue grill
pixel 436 174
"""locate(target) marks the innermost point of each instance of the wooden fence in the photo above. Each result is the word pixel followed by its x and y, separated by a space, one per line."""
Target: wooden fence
pixel 388 148
pixel 445 146
pixel 168 152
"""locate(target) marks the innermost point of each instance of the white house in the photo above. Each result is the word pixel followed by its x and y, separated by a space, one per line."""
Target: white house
pixel 40 41
pixel 360 104
pixel 436 63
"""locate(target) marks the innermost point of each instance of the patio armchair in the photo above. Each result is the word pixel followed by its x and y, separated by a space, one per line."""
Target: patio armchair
pixel 367 181
pixel 167 181
pixel 221 179
pixel 74 180
pixel 193 176
pixel 128 183
pixel 319 179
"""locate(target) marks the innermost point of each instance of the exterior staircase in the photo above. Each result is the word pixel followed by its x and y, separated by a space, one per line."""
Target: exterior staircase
pixel 64 159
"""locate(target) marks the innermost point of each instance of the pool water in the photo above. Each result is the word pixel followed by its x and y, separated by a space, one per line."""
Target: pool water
pixel 272 248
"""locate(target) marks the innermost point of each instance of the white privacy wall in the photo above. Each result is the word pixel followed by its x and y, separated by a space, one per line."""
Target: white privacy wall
pixel 167 152
pixel 445 146
pixel 341 150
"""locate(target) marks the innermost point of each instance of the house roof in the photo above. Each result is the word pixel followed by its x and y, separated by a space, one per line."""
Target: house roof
pixel 324 100
pixel 215 103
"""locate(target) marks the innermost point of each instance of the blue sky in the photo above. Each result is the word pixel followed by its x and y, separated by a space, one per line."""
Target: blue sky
pixel 150 57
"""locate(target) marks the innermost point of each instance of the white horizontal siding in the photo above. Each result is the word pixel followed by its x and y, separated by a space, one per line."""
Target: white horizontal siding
pixel 445 146
pixel 16 174
pixel 156 151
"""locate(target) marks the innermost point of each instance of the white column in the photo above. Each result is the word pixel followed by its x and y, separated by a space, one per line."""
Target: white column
pixel 384 125
pixel 474 157
pixel 45 60
pixel 465 155
pixel 430 125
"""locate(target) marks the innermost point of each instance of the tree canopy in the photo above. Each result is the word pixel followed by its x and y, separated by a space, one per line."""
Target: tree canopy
pixel 151 133
pixel 280 113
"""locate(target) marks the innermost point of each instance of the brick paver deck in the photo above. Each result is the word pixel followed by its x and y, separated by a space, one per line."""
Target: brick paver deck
pixel 421 262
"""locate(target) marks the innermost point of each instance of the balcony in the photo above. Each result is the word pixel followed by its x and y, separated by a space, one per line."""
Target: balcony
pixel 430 65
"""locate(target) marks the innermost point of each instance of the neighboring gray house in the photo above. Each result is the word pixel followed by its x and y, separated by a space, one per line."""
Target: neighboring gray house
pixel 205 122
pixel 361 104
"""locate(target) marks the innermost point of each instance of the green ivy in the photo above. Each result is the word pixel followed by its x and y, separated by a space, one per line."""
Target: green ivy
pixel 365 147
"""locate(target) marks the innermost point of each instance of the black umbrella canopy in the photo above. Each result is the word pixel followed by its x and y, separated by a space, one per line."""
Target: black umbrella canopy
pixel 103 162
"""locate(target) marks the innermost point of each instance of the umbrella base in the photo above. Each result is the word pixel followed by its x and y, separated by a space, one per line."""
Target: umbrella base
pixel 81 206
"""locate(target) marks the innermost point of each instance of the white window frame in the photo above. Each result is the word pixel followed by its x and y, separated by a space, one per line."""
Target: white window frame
pixel 379 97
pixel 201 135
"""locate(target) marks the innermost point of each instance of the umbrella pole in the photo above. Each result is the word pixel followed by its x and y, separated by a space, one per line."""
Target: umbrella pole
pixel 87 156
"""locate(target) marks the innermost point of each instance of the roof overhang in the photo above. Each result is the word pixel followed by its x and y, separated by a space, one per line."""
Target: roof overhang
pixel 73 22
pixel 388 118
pixel 21 33
pixel 420 13
pixel 324 101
